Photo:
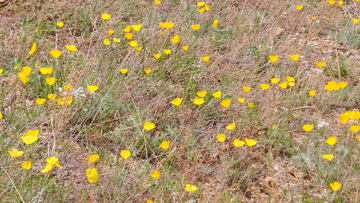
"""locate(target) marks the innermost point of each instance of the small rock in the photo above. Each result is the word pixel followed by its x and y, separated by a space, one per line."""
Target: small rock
pixel 279 31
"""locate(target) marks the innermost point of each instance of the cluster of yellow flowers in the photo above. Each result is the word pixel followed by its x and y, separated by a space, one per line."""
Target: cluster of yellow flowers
pixel 331 86
pixel 333 140
pixel 30 137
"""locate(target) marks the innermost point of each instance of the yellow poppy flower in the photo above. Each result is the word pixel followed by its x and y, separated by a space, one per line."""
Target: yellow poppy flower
pixel 328 157
pixel 157 2
pixel 166 25
pixel 136 27
pixel 273 58
pixel 155 174
pixel 201 10
pixel 40 101
pixel 125 154
pixel 92 88
pixel 50 81
pixel 52 97
pixel 331 2
pixel 250 105
pixel 148 125
pixel 30 136
pixel 355 20
pixel 313 18
pixel 195 27
pixel 186 47
pixel 107 42
pixel 283 85
pixel 294 57
pixel 129 35
pixel 331 140
pixel 176 101
pixel 167 51
pixel 226 103
pixel 123 71
pixel 274 80
pixel 216 94
pixel 47 168
pixel 60 24
pixel 202 93
pixel 116 40
pixel 45 71
pixel 312 93
pixel 190 188
pixel 33 49
pixel 264 86
pixel 55 53
pixel 29 139
pixel 127 29
pixel 221 137
pixel 336 185
pixel 320 64
pixel 289 79
pixel 68 87
pixel 110 32
pixel 147 70
pixel 340 3
pixel 298 7
pixel 71 47
pixel 250 142
pixel 241 100
pixel 157 56
pixel 23 77
pixel 215 23
pixel 138 48
pixel 26 165
pixel 26 70
pixel 342 84
pixel 231 126
pixel 133 43
pixel 105 16
pixel 307 128
pixel 199 101
pixel 68 100
pixel 53 161
pixel 246 89
pixel 93 158
pixel 355 128
pixel 165 144
pixel 176 39
pixel 238 143
pixel 92 175
pixel 206 58
pixel 15 153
